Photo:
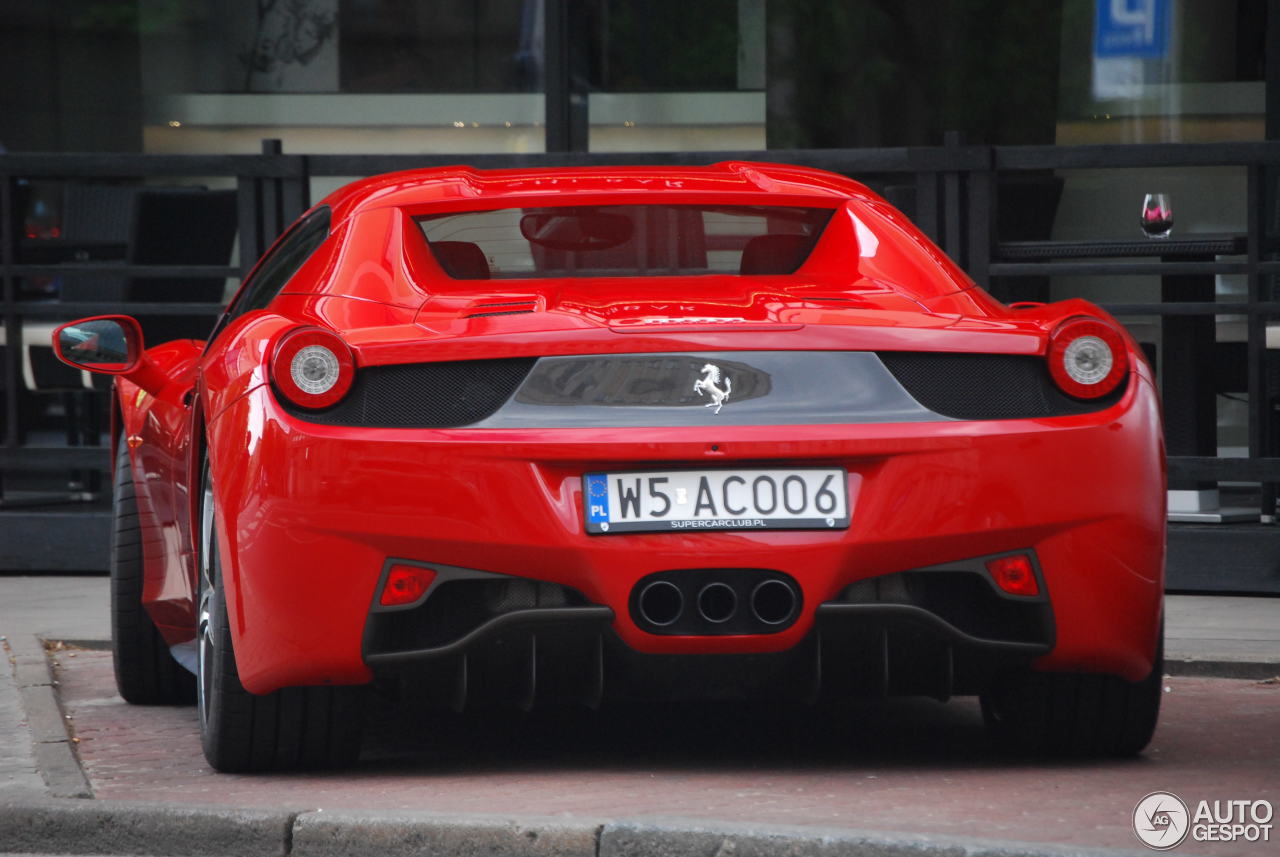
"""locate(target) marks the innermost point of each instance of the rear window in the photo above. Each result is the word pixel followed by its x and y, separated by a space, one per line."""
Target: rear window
pixel 623 240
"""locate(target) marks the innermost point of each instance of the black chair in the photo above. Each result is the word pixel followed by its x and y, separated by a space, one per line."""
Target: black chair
pixel 96 222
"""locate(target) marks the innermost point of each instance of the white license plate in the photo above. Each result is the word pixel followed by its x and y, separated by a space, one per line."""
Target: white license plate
pixel 799 498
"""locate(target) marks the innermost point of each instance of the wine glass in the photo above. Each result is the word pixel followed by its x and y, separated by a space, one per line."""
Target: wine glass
pixel 1157 215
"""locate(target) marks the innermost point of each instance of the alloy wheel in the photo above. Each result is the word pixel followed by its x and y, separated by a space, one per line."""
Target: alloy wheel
pixel 204 621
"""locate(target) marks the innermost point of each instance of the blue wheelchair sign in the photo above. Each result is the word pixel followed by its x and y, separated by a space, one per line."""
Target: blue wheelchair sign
pixel 1132 28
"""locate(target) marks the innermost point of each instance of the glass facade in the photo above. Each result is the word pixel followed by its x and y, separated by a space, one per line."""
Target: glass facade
pixel 458 76
pixel 472 78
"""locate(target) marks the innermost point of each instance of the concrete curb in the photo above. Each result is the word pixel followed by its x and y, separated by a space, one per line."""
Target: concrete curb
pixel 389 834
pixel 127 828
pixel 53 747
pixel 667 837
pixel 111 827
pixel 1255 670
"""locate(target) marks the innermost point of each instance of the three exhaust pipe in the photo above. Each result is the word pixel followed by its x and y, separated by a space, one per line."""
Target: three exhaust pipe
pixel 735 601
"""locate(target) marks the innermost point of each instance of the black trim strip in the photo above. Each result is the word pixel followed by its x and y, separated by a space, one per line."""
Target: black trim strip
pixel 579 617
pixel 835 612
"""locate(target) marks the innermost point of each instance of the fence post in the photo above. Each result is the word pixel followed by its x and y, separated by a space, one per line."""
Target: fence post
pixel 1256 337
pixel 249 221
pixel 9 227
pixel 953 200
pixel 266 205
pixel 566 128
pixel 927 217
pixel 295 191
pixel 981 218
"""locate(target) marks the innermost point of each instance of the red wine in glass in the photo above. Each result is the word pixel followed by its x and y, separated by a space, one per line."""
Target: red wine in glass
pixel 1157 215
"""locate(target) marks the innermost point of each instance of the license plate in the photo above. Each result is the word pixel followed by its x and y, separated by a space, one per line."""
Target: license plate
pixel 800 498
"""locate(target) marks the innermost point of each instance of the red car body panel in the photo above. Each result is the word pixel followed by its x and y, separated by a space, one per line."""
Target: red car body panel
pixel 310 513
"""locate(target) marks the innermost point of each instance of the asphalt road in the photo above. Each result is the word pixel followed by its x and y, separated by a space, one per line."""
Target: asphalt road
pixel 901 765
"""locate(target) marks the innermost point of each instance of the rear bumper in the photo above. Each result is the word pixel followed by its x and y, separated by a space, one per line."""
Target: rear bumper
pixel 488 638
pixel 570 655
pixel 311 514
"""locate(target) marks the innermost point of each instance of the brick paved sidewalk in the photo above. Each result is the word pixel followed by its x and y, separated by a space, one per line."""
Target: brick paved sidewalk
pixel 902 765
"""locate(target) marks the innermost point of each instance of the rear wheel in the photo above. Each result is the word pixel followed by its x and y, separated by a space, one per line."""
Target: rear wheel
pixel 1075 714
pixel 146 673
pixel 240 731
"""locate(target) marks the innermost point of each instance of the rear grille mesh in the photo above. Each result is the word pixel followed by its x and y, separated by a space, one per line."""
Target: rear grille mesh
pixel 450 394
pixel 423 395
pixel 986 386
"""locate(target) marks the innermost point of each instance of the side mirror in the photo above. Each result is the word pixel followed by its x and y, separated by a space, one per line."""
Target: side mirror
pixel 108 344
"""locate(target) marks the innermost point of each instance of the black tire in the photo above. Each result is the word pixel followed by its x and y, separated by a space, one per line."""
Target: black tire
pixel 146 673
pixel 295 727
pixel 1075 714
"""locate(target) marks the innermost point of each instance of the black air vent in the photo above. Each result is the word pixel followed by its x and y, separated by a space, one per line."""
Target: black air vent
pixel 423 395
pixel 987 386
pixel 500 312
pixel 516 307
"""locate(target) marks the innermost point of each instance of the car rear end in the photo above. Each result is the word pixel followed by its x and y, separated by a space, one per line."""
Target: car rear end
pixel 571 488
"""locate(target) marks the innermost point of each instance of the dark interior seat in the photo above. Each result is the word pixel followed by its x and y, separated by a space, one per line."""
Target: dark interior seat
pixel 774 254
pixel 461 260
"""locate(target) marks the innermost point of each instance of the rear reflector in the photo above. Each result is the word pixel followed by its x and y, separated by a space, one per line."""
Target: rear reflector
pixel 406 584
pixel 1014 574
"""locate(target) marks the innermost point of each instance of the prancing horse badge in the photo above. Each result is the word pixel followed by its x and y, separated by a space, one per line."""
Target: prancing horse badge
pixel 707 384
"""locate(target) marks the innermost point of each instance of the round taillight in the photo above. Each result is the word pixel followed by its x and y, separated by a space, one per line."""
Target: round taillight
pixel 1087 358
pixel 312 368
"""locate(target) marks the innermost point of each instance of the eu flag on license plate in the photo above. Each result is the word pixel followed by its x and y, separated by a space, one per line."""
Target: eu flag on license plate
pixel 597 485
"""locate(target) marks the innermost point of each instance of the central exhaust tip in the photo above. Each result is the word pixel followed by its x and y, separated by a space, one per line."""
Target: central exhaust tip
pixel 773 602
pixel 660 603
pixel 717 602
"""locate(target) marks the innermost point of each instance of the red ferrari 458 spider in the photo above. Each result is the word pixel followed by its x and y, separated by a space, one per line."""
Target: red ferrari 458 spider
pixel 572 435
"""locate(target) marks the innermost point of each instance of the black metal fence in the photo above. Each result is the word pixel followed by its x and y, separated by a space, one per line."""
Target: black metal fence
pixel 968 198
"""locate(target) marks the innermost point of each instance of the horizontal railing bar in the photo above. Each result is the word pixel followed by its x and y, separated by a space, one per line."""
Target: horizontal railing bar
pixel 887 160
pixel 1186 467
pixel 904 159
pixel 54 457
pixel 1119 155
pixel 126 165
pixel 1123 269
pixel 82 309
pixel 85 269
pixel 1195 308
pixel 848 161
pixel 1193 247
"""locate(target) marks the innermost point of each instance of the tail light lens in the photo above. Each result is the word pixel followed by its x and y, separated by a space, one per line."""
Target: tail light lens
pixel 1087 358
pixel 312 367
